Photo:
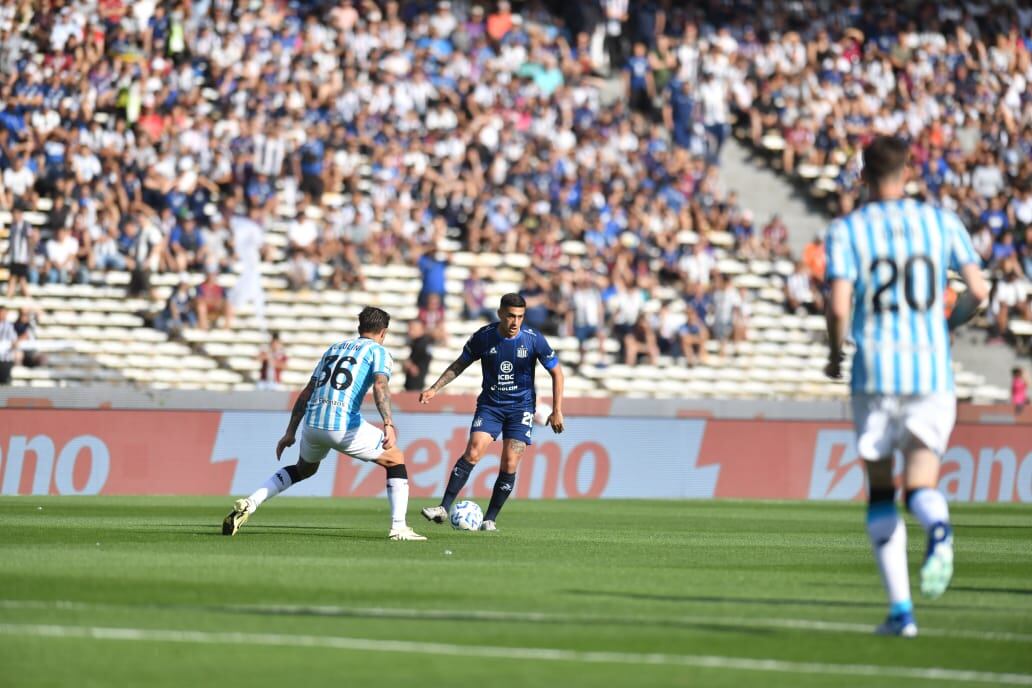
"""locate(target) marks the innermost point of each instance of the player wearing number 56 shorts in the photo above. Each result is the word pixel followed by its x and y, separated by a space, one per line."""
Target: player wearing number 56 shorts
pixel 509 355
pixel 887 268
pixel 331 405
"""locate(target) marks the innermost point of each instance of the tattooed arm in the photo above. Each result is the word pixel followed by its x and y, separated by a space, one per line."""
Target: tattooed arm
pixel 300 404
pixel 452 372
pixel 382 397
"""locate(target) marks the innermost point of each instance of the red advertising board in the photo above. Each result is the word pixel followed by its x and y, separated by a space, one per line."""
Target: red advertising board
pixel 47 451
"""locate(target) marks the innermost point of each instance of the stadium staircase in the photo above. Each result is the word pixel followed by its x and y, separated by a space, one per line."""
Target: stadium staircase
pixel 812 199
pixel 92 333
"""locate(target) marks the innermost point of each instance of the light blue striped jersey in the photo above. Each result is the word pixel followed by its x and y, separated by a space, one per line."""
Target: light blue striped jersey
pixel 896 255
pixel 341 379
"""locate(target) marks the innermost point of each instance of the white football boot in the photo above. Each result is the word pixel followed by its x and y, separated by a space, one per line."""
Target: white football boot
pixel 937 570
pixel 405 533
pixel 437 514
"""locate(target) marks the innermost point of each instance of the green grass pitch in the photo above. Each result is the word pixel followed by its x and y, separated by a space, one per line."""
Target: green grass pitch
pixel 147 592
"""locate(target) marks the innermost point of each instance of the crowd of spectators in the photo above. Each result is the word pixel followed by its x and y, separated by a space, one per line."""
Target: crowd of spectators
pixel 154 130
pixel 376 131
pixel 953 79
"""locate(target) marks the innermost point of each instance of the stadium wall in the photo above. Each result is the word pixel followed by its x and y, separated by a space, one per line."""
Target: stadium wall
pixel 611 449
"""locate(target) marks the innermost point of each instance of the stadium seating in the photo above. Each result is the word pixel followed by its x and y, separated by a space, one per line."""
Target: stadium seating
pixel 93 334
pixel 539 100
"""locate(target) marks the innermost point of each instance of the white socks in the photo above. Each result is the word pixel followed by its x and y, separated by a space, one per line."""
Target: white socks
pixel 929 507
pixel 889 543
pixel 397 495
pixel 277 482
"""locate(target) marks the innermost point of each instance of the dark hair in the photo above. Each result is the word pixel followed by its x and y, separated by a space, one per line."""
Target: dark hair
pixel 884 157
pixel 373 320
pixel 513 301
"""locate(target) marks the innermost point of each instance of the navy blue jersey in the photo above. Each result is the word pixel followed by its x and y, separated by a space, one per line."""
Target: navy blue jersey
pixel 508 365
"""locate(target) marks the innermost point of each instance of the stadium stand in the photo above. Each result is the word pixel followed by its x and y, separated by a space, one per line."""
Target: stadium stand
pixel 954 82
pixel 315 159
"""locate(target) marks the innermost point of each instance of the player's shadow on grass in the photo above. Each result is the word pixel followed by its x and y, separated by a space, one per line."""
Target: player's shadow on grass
pixel 459 615
pixel 719 599
pixel 999 591
pixel 206 527
pixel 762 601
pixel 339 532
pixel 273 526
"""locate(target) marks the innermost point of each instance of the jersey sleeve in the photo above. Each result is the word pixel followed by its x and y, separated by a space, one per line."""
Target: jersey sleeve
pixel 473 349
pixel 839 254
pixel 958 241
pixel 545 353
pixel 383 362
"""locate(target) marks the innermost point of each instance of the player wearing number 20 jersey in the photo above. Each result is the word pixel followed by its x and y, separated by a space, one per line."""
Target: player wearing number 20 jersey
pixel 887 268
pixel 896 254
pixel 341 379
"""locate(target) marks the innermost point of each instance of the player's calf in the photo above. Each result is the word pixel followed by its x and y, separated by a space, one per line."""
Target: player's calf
pixel 929 507
pixel 456 481
pixel 277 483
pixel 888 537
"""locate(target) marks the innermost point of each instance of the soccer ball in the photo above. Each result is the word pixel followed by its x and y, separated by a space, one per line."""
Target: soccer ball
pixel 466 515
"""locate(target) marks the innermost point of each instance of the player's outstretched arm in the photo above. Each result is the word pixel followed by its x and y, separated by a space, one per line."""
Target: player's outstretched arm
pixel 450 373
pixel 295 419
pixel 555 419
pixel 839 306
pixel 382 397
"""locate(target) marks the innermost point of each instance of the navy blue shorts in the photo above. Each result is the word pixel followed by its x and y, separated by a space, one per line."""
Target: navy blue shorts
pixel 511 424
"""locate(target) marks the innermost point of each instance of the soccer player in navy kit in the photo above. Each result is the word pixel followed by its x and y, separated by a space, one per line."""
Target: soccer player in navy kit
pixel 508 354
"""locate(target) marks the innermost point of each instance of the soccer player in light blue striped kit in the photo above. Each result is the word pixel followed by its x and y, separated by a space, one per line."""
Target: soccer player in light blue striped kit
pixel 887 264
pixel 331 405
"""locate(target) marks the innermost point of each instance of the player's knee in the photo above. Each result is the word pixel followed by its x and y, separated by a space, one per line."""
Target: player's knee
pixel 391 457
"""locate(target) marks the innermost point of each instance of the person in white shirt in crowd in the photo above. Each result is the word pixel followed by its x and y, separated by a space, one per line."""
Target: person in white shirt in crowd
pixel 728 321
pixel 302 234
pixel 19 181
pixel 667 325
pixel 1009 299
pixel 62 257
pixel 21 245
pixel 105 254
pixel 800 294
pixel 587 314
pixel 8 346
pixel 697 266
pixel 248 244
pixel 624 306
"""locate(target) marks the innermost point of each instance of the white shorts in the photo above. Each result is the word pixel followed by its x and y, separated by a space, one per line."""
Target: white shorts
pixel 886 423
pixel 364 443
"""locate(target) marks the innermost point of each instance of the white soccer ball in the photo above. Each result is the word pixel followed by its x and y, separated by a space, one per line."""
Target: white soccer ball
pixel 466 515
